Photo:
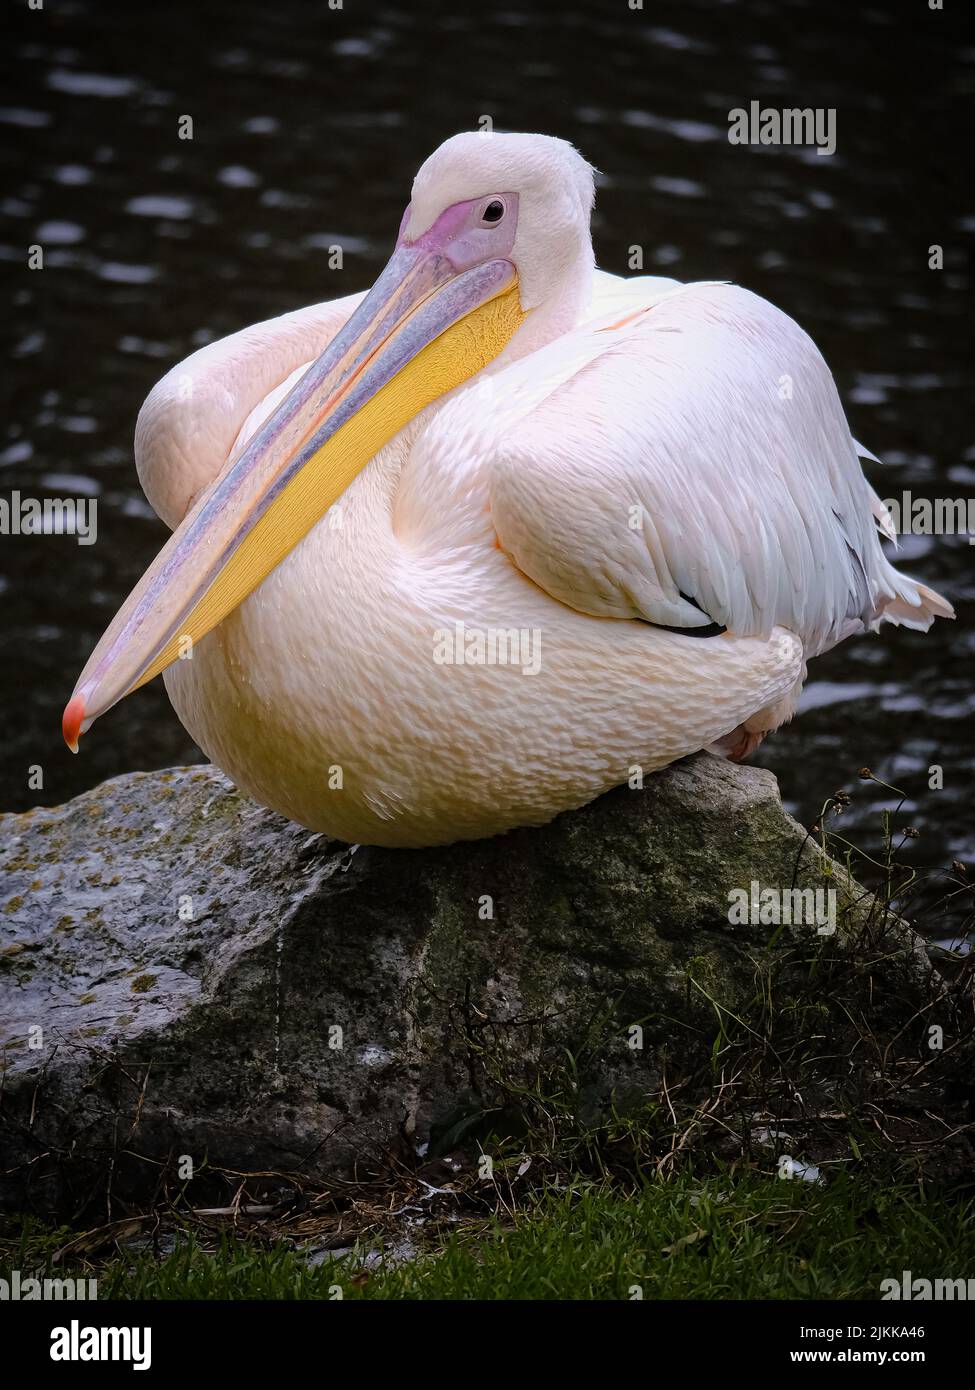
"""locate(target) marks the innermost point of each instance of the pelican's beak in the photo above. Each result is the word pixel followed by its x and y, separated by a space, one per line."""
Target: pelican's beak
pixel 445 305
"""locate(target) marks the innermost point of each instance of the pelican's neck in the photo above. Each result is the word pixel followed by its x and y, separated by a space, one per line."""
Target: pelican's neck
pixel 561 309
pixel 370 500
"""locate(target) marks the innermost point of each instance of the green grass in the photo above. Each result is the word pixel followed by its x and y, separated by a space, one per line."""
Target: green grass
pixel 719 1238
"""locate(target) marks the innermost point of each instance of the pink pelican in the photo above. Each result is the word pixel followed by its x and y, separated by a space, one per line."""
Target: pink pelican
pixel 507 531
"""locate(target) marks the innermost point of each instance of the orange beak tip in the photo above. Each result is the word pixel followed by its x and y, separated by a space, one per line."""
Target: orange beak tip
pixel 71 721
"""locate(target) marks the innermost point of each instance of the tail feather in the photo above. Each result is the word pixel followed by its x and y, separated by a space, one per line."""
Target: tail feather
pixel 913 605
pixel 883 518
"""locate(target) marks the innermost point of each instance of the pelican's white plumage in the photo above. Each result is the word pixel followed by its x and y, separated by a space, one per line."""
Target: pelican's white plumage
pixel 643 456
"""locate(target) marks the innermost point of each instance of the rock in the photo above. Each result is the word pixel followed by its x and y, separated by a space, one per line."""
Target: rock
pixel 185 973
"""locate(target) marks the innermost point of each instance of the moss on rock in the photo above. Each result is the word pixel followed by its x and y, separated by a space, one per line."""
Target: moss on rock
pixel 302 1003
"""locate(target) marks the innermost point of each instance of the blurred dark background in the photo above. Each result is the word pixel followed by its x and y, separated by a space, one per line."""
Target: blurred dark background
pixel 309 123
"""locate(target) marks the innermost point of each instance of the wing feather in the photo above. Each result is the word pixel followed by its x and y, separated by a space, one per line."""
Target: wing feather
pixel 688 465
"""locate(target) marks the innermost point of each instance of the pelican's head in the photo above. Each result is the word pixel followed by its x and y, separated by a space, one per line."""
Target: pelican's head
pixel 538 187
pixel 496 237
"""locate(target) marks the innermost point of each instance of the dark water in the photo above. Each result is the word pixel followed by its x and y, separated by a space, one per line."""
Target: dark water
pixel 308 125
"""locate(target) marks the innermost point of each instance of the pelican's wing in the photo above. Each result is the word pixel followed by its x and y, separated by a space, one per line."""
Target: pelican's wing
pixel 691 465
pixel 194 416
pixel 614 292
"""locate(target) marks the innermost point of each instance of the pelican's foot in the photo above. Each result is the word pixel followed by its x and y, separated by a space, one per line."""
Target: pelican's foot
pixel 742 741
pixel 739 744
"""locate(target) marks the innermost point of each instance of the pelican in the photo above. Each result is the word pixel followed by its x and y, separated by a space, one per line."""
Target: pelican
pixel 466 551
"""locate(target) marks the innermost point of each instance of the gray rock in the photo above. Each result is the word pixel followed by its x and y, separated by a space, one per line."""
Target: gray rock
pixel 184 973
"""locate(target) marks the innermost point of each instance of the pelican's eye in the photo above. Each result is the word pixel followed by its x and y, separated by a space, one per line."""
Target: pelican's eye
pixel 494 211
